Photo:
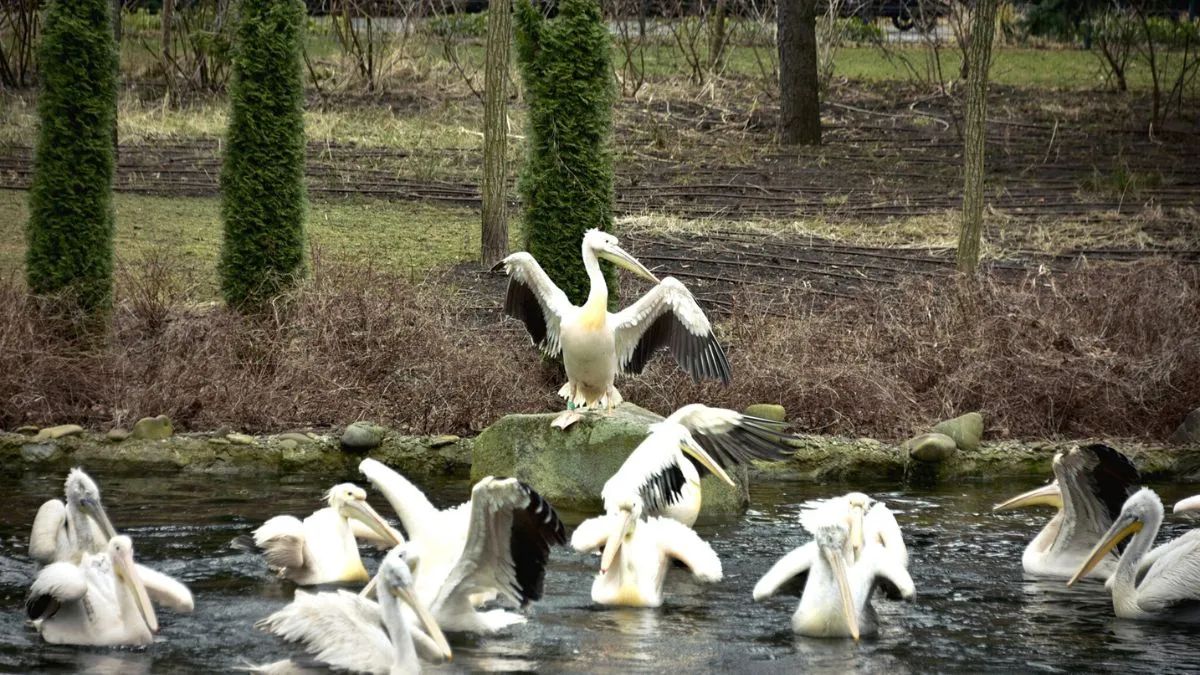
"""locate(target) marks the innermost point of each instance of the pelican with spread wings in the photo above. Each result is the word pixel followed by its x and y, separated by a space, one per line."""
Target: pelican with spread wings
pixel 596 344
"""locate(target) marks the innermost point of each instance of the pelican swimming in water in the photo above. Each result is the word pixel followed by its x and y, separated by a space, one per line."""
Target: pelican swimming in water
pixel 494 546
pixel 664 471
pixel 839 582
pixel 346 631
pixel 596 344
pixel 637 554
pixel 101 600
pixel 1168 589
pixel 866 520
pixel 322 548
pixel 1090 485
pixel 64 532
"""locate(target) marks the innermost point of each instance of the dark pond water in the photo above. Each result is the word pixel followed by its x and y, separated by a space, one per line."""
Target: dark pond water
pixel 974 611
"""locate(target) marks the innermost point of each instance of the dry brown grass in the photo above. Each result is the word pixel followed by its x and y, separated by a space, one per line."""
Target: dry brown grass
pixel 1108 350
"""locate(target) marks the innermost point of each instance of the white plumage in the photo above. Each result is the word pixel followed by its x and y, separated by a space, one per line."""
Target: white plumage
pixel 64 532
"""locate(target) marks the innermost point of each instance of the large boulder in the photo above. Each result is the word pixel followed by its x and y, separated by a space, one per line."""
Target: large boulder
pixel 966 430
pixel 1188 432
pixel 569 468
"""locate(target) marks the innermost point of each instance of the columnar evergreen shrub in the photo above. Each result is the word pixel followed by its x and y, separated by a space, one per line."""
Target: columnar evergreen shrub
pixel 567 181
pixel 70 228
pixel 263 202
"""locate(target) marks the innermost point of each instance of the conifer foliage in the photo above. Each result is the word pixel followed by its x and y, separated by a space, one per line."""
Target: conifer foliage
pixel 70 228
pixel 263 201
pixel 567 180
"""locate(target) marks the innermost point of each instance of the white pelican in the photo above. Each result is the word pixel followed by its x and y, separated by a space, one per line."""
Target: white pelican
pixel 1167 589
pixel 348 632
pixel 1097 479
pixel 638 553
pixel 63 533
pixel 867 521
pixel 837 591
pixel 596 344
pixel 664 471
pixel 322 549
pixel 497 544
pixel 99 601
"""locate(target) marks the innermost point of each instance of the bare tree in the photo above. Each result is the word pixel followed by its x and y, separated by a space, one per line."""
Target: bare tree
pixel 799 81
pixel 979 53
pixel 494 245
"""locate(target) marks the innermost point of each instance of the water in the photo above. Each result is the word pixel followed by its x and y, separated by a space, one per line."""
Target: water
pixel 974 610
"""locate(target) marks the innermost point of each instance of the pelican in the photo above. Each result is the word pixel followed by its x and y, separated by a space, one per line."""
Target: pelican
pixel 1090 485
pixel 63 533
pixel 99 601
pixel 837 591
pixel 596 344
pixel 495 545
pixel 637 554
pixel 322 549
pixel 348 632
pixel 1167 589
pixel 663 473
pixel 866 520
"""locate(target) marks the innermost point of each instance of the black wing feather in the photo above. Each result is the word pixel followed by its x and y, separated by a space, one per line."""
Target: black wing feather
pixel 521 303
pixel 534 530
pixel 662 489
pixel 1114 477
pixel 752 438
pixel 701 357
pixel 41 606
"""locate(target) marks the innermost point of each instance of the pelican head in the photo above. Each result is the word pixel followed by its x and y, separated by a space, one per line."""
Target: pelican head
pixel 120 552
pixel 83 494
pixel 395 578
pixel 1187 505
pixel 1142 507
pixel 1046 495
pixel 831 541
pixel 604 245
pixel 350 501
pixel 628 513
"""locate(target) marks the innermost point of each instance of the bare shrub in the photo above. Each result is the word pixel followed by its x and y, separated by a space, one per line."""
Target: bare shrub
pixel 19 28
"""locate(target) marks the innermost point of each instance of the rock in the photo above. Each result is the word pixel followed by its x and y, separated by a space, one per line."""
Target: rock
pixel 444 440
pixel 39 452
pixel 295 437
pixel 569 468
pixel 217 440
pixel 239 439
pixel 932 447
pixel 362 437
pixel 966 430
pixel 51 433
pixel 289 444
pixel 1188 432
pixel 117 434
pixel 767 411
pixel 27 430
pixel 153 428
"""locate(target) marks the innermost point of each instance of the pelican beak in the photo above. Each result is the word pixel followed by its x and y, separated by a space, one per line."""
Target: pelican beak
pixel 127 573
pixel 1047 495
pixel 361 511
pixel 706 461
pixel 838 563
pixel 95 510
pixel 1125 526
pixel 613 545
pixel 617 256
pixel 427 621
pixel 1189 504
pixel 857 539
pixel 368 591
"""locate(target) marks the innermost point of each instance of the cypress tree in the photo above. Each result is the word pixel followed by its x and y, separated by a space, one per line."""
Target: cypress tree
pixel 566 183
pixel 263 202
pixel 70 229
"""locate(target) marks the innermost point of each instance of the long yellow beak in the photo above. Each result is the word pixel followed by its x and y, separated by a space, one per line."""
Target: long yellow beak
pixel 427 621
pixel 706 460
pixel 1047 495
pixel 1115 535
pixel 613 545
pixel 128 575
pixel 857 538
pixel 361 511
pixel 838 563
pixel 617 256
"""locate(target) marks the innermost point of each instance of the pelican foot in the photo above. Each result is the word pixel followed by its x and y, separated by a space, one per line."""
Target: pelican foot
pixel 566 419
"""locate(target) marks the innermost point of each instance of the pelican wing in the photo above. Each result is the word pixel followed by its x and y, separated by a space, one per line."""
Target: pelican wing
pixel 880 526
pixel 508 543
pixel 891 573
pixel 1174 579
pixel 1112 477
pixel 341 629
pixel 796 563
pixel 418 515
pixel 56 584
pixel 49 533
pixel 592 534
pixel 535 300
pixel 683 544
pixel 165 590
pixel 652 472
pixel 668 316
pixel 281 540
pixel 730 437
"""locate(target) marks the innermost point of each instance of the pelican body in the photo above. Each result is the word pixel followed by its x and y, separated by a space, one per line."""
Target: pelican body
pixel 637 555
pixel 99 601
pixel 1090 485
pixel 322 548
pixel 1166 589
pixel 596 344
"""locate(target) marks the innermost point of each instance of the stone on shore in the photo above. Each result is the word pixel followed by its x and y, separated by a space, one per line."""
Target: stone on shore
pixel 1188 432
pixel 966 430
pixel 767 411
pixel 117 434
pixel 932 447
pixel 239 439
pixel 362 437
pixel 153 428
pixel 569 468
pixel 51 433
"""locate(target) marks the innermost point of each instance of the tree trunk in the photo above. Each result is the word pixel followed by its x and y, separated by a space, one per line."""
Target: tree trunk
pixel 494 245
pixel 717 38
pixel 799 84
pixel 979 55
pixel 166 18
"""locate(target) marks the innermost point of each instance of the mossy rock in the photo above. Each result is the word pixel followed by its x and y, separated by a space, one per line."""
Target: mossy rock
pixel 153 428
pixel 569 468
pixel 966 430
pixel 932 447
pixel 767 411
pixel 1188 431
